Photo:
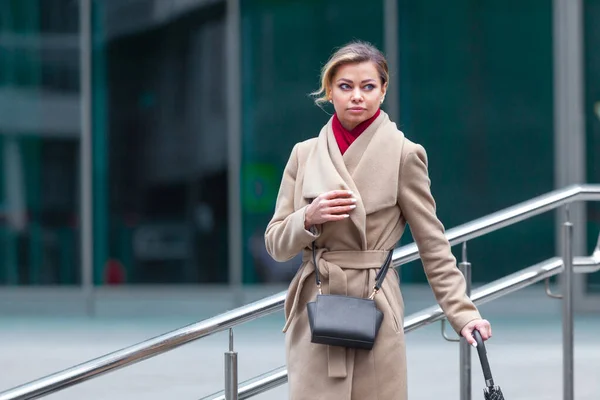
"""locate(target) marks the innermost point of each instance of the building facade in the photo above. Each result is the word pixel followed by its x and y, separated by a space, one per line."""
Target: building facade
pixel 190 108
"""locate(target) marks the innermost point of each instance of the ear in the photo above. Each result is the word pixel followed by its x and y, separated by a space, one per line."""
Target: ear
pixel 384 89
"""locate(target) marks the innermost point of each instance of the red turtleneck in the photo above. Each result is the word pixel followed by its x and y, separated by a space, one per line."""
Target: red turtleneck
pixel 344 137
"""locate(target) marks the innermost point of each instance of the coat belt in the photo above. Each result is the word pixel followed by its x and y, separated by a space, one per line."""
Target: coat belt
pixel 331 267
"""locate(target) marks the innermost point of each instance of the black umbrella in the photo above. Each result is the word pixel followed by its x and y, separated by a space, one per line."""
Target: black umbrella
pixel 492 392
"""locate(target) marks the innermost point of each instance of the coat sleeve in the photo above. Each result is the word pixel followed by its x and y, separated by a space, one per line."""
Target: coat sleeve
pixel 285 235
pixel 419 210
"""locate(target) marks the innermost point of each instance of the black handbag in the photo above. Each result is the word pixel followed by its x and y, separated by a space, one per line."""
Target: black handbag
pixel 346 321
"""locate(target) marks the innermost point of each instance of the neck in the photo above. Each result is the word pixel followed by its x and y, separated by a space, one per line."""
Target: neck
pixel 347 126
pixel 345 134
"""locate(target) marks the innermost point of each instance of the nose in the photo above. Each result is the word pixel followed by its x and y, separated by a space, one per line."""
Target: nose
pixel 356 95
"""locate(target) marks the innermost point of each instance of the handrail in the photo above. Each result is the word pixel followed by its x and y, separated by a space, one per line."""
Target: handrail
pixel 484 294
pixel 171 340
pixel 506 217
pixel 142 351
pixel 255 386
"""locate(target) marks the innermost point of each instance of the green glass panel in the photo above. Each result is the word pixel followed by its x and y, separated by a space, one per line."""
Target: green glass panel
pixel 284 45
pixel 39 135
pixel 159 143
pixel 591 38
pixel 476 92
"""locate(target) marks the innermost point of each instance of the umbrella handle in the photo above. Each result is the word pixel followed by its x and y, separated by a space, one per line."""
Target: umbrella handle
pixel 487 372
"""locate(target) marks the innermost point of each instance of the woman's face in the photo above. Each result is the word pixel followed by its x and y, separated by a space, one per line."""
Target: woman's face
pixel 357 93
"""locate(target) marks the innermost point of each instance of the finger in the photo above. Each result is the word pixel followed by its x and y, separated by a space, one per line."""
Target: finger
pixel 340 201
pixel 339 210
pixel 468 335
pixel 483 329
pixel 335 217
pixel 337 193
pixel 488 330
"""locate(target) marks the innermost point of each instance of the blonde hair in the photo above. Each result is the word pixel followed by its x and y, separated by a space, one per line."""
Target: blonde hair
pixel 352 53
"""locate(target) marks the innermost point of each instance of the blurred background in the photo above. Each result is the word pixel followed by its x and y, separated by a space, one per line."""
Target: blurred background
pixel 193 107
pixel 142 144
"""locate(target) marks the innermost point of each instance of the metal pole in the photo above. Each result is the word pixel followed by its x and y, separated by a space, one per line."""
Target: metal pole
pixel 465 348
pixel 390 22
pixel 234 150
pixel 231 371
pixel 85 146
pixel 569 123
pixel 568 388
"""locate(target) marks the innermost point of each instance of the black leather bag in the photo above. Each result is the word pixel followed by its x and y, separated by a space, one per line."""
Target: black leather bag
pixel 346 321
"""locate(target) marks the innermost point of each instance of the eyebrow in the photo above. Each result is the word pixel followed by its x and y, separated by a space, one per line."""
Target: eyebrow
pixel 364 81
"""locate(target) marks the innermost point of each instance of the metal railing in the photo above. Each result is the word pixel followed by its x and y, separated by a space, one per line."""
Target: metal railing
pixel 484 294
pixel 171 340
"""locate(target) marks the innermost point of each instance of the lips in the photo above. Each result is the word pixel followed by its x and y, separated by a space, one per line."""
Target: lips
pixel 357 109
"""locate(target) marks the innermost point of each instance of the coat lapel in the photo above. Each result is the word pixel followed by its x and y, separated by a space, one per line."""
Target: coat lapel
pixel 369 168
pixel 375 164
pixel 320 174
pixel 358 216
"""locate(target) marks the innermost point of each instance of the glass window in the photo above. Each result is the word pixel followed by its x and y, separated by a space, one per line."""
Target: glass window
pixel 160 155
pixel 284 45
pixel 39 142
pixel 591 33
pixel 476 91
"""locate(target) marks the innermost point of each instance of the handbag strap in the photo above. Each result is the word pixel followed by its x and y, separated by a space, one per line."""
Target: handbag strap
pixel 378 278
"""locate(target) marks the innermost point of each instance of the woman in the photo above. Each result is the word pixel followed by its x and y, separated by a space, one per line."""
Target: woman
pixel 352 190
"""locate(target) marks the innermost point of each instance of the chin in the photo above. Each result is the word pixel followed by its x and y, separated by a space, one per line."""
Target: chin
pixel 359 118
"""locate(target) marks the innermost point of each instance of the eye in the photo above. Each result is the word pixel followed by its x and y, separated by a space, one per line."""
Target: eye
pixel 344 86
pixel 369 87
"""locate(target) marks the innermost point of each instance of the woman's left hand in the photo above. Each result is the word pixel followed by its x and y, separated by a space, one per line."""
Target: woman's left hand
pixel 482 325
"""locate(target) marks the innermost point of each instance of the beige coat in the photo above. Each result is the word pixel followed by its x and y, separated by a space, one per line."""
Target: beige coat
pixel 388 175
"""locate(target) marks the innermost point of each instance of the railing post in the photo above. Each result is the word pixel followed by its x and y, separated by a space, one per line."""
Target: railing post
pixel 231 371
pixel 465 348
pixel 568 388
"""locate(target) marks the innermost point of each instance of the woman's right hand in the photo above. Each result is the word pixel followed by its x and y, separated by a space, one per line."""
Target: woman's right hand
pixel 330 206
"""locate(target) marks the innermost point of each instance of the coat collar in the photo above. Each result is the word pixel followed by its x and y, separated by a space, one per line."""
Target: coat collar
pixel 369 168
